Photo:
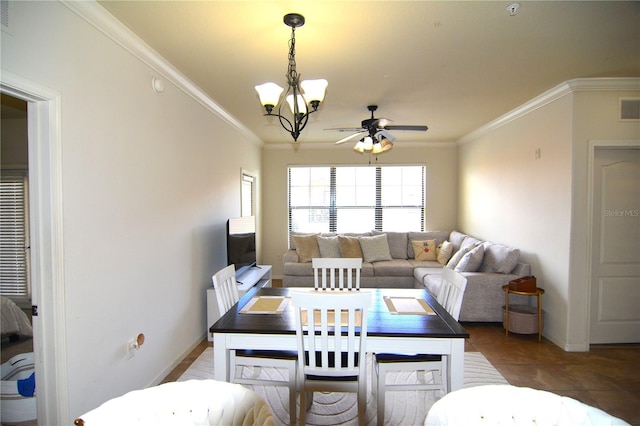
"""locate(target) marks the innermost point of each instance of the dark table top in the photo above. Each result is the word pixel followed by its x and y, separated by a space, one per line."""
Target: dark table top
pixel 381 322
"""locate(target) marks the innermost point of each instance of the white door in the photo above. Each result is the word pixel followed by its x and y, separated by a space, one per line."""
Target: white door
pixel 615 275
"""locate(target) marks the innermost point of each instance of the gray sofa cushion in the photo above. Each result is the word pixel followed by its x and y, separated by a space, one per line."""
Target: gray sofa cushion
pixel 393 268
pixel 456 239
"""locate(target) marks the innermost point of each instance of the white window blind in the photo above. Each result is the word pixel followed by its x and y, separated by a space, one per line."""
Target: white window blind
pixel 356 198
pixel 14 236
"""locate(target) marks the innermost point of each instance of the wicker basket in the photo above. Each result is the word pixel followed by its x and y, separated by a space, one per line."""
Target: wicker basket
pixel 523 319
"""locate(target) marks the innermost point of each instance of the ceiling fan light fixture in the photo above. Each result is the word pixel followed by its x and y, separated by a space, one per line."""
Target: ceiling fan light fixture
pixel 359 147
pixel 304 97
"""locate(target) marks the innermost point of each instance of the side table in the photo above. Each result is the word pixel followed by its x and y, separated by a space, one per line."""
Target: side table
pixel 538 292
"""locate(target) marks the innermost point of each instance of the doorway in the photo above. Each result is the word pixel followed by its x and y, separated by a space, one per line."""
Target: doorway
pixel 45 219
pixel 615 245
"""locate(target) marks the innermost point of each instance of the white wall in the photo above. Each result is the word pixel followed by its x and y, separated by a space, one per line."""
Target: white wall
pixel 441 181
pixel 148 181
pixel 539 205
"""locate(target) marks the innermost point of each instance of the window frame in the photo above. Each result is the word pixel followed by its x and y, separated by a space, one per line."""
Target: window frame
pixel 332 206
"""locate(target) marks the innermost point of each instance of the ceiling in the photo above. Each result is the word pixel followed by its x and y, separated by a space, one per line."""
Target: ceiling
pixel 452 65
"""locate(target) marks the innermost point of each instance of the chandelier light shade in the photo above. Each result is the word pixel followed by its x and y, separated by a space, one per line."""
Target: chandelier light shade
pixel 303 98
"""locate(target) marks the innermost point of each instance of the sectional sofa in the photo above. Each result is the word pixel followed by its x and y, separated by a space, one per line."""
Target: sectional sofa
pixel 415 260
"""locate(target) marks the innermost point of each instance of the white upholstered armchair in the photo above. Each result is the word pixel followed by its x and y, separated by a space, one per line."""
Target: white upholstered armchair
pixel 500 405
pixel 193 402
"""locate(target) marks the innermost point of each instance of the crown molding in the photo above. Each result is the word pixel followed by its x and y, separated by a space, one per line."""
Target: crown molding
pixel 275 146
pixel 563 89
pixel 106 23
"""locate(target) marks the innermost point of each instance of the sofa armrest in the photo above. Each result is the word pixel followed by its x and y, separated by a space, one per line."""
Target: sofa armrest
pixel 290 256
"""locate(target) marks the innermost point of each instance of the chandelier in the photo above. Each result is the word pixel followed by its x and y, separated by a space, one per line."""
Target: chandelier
pixel 303 97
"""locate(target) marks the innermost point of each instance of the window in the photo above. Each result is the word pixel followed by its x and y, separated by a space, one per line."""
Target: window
pixel 247 194
pixel 14 236
pixel 356 198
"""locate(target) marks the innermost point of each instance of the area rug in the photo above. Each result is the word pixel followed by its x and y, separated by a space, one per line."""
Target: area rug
pixel 404 408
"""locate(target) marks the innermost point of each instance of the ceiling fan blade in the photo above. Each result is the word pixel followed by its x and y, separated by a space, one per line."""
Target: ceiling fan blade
pixel 353 136
pixel 345 129
pixel 416 128
pixel 386 135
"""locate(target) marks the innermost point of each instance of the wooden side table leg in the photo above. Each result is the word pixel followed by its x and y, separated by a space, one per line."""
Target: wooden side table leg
pixel 539 317
pixel 506 312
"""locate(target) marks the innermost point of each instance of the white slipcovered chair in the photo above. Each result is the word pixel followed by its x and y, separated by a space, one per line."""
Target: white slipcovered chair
pixel 500 405
pixel 224 281
pixel 450 296
pixel 336 272
pixel 193 402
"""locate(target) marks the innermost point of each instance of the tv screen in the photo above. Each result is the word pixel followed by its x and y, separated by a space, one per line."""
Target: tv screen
pixel 241 243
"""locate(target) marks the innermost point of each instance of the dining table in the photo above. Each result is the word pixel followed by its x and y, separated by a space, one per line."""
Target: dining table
pixel 399 321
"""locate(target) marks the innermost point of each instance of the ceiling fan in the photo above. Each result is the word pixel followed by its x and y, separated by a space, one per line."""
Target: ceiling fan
pixel 374 133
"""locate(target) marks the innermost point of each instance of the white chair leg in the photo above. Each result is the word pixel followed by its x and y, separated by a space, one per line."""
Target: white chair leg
pixel 380 393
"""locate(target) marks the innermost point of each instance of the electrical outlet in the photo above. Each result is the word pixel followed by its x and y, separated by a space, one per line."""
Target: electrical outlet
pixel 131 348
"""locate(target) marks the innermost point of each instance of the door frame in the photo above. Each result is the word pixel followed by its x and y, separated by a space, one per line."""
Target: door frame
pixel 47 266
pixel 593 146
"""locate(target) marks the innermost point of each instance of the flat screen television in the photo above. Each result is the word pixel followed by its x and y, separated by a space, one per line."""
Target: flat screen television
pixel 241 243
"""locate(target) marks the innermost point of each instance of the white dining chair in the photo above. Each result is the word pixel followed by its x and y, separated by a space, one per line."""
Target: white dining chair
pixel 331 333
pixel 225 284
pixel 336 272
pixel 450 296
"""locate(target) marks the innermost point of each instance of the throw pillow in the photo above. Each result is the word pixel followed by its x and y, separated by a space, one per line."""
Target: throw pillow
pixel 424 250
pixel 306 247
pixel 444 252
pixel 457 256
pixel 329 246
pixel 499 258
pixel 349 246
pixel 471 261
pixel 397 243
pixel 375 248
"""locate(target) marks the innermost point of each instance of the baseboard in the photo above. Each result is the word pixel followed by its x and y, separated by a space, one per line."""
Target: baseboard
pixel 160 377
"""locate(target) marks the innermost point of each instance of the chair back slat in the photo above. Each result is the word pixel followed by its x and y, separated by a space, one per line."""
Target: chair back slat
pixel 451 292
pixel 331 328
pixel 336 272
pixel 226 286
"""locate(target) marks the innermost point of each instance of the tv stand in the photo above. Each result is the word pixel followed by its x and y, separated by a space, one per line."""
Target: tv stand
pixel 259 275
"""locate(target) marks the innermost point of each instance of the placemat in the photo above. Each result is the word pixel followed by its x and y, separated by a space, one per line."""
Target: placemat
pixel 331 319
pixel 408 306
pixel 265 305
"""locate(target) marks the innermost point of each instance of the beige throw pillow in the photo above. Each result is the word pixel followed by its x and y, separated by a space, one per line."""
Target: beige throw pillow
pixel 349 246
pixel 306 247
pixel 424 250
pixel 444 252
